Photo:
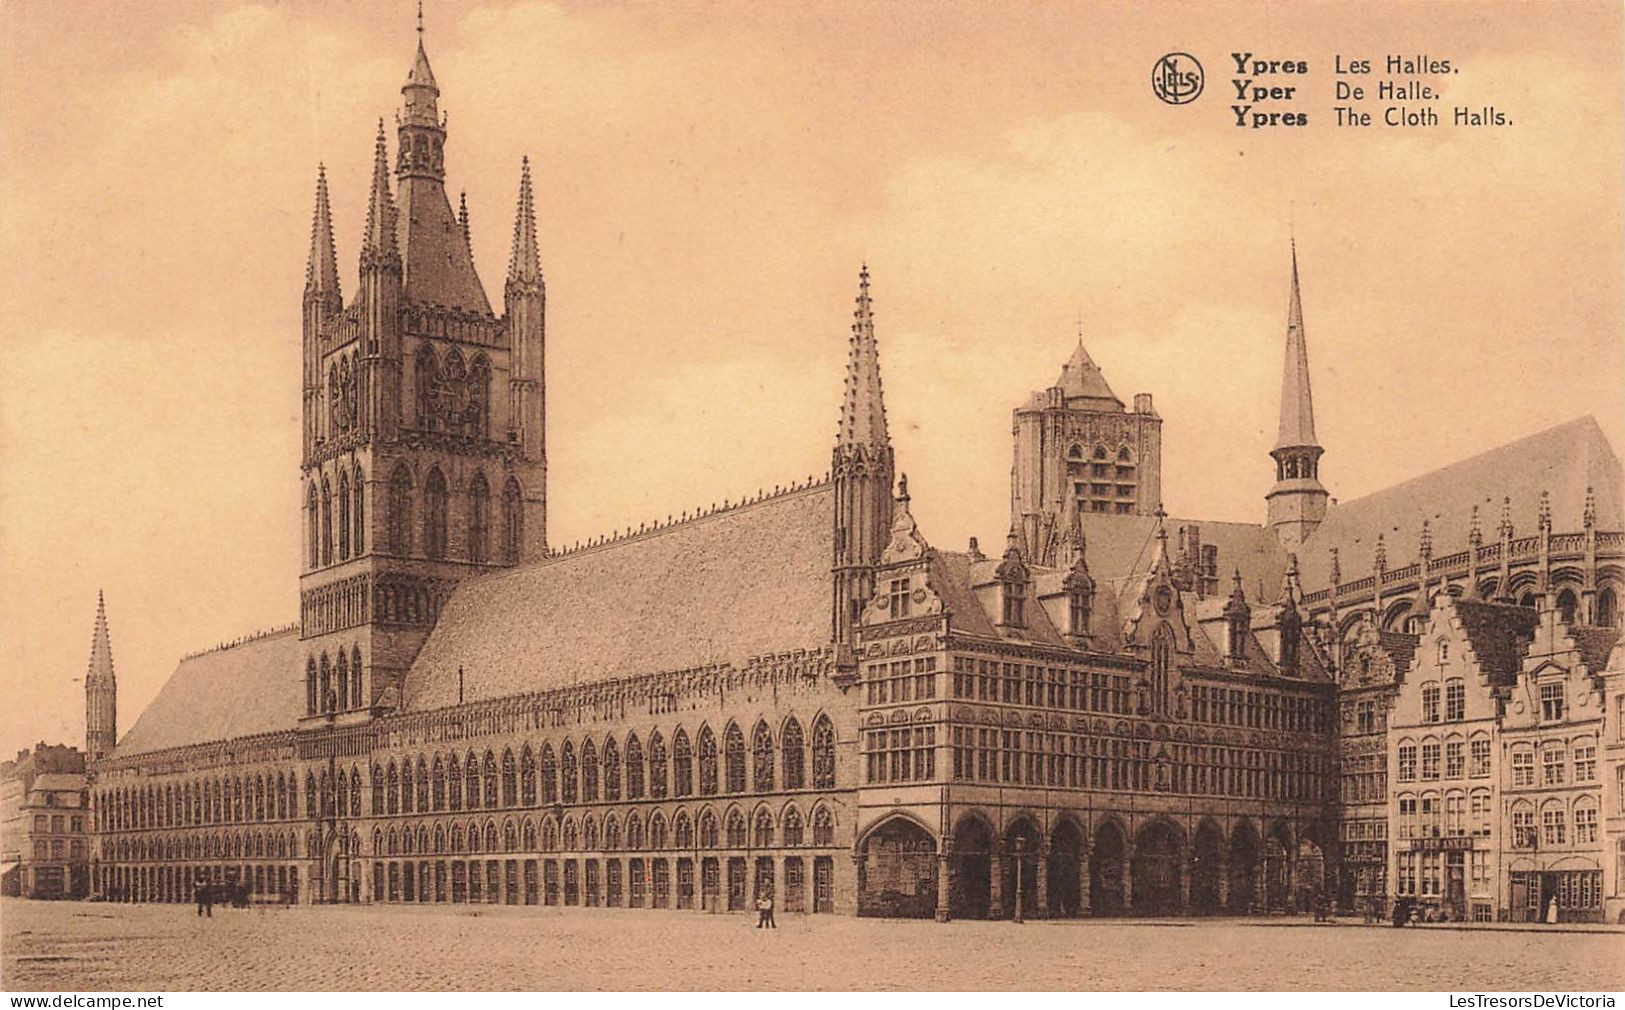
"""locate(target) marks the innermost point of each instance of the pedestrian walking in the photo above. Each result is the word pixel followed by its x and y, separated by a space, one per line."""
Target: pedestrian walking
pixel 205 901
pixel 1551 911
pixel 764 912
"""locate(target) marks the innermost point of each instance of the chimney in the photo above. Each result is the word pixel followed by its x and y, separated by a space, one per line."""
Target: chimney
pixel 1142 403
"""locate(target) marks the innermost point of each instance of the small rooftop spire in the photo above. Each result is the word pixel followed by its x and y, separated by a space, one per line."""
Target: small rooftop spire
pixel 379 237
pixel 1504 531
pixel 524 261
pixel 863 410
pixel 322 269
pixel 462 220
pixel 101 648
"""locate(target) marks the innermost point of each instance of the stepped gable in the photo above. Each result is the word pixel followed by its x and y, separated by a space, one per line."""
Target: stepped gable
pixel 723 588
pixel 1122 547
pixel 1499 634
pixel 1564 461
pixel 255 686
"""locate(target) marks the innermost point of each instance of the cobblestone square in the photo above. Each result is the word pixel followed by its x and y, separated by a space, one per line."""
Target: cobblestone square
pixel 80 947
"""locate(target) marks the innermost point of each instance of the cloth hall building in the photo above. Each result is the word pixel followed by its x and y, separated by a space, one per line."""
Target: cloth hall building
pixel 1112 712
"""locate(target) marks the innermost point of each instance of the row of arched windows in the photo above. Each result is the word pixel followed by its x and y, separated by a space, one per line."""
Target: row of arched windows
pixel 334 685
pixel 610 770
pixel 336 518
pixel 433 537
pixel 610 834
pixel 229 800
pixel 229 845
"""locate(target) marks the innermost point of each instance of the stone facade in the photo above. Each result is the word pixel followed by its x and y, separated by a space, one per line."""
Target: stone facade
pixel 44 824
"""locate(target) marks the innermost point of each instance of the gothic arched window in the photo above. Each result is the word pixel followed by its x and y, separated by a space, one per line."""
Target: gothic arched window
pixel 510 782
pixel 400 510
pixel 736 830
pixel 734 749
pixel 657 766
pixel 407 797
pixel 823 827
pixel 454 784
pixel 612 770
pixel 707 746
pixel 1162 654
pixel 310 687
pixel 434 514
pixel 327 521
pixel 762 758
pixel 358 537
pixel 763 836
pixel 342 695
pixel 527 777
pixel 682 765
pixel 471 781
pixel 422 785
pixel 478 420
pixel 634 769
pixel 589 772
pixel 823 754
pixel 314 517
pixel 479 518
pixel 344 516
pixel 567 772
pixel 355 677
pixel 326 699
pixel 437 784
pixel 513 521
pixel 795 773
pixel 490 768
pixel 427 374
pixel 792 827
pixel 550 776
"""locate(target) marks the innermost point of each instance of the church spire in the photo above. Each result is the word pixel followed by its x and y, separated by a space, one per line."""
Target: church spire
pixel 101 690
pixel 1297 428
pixel 378 240
pixel 322 269
pixel 1297 503
pixel 861 469
pixel 524 262
pixel 863 411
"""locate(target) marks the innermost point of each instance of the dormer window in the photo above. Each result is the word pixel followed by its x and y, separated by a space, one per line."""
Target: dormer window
pixel 1078 612
pixel 1015 600
pixel 897 595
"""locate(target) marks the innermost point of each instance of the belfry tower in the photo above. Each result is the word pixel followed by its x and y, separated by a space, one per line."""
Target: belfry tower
pixel 424 430
pixel 101 691
pixel 862 471
pixel 1297 502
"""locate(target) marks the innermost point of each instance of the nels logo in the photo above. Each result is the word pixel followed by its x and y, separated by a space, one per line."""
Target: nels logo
pixel 1177 78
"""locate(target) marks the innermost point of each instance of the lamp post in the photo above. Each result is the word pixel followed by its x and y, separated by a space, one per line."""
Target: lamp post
pixel 1021 847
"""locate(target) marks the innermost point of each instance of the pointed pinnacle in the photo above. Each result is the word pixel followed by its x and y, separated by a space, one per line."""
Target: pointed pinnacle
pixel 321 270
pixel 380 234
pixel 1297 426
pixel 524 261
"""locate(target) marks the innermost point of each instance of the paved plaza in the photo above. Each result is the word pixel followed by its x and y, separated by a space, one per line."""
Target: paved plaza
pixel 81 947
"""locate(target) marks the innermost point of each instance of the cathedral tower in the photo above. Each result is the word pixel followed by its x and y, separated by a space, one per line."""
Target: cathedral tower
pixel 101 691
pixel 424 458
pixel 862 471
pixel 1297 503
pixel 1076 442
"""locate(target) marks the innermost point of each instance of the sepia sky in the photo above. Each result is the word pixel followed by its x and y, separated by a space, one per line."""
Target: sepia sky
pixel 708 178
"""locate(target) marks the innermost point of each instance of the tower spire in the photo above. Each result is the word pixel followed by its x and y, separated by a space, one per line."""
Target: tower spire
pixel 1297 503
pixel 322 269
pixel 101 690
pixel 863 411
pixel 861 469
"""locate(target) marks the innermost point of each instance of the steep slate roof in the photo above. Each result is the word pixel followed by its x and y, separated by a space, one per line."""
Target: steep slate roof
pixel 1082 379
pixel 1121 547
pixel 1564 460
pixel 720 589
pixel 435 261
pixel 255 687
pixel 1499 634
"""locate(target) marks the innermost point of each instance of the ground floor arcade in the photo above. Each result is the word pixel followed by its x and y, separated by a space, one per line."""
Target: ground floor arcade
pixel 1077 865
